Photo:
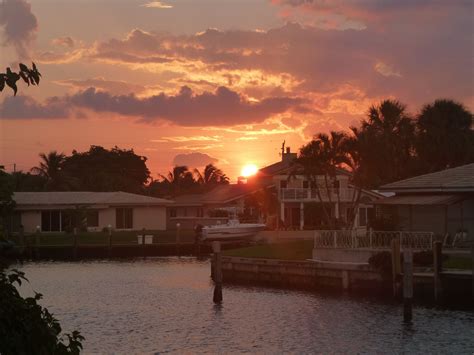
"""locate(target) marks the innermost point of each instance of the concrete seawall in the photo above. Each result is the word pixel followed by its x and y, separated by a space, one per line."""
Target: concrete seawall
pixel 322 275
pixel 301 274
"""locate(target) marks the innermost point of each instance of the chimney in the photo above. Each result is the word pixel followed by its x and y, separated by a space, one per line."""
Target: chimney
pixel 288 156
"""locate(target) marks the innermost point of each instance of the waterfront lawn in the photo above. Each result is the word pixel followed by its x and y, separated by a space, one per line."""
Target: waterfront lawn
pixel 458 262
pixel 294 250
pixel 102 238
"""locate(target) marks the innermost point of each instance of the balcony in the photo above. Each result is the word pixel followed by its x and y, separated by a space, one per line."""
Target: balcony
pixel 311 195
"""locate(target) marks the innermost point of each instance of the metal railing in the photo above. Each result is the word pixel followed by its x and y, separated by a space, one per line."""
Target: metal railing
pixel 294 194
pixel 350 239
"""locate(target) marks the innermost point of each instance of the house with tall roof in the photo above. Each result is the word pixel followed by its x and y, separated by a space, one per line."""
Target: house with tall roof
pixel 58 211
pixel 298 204
pixel 440 202
pixel 300 201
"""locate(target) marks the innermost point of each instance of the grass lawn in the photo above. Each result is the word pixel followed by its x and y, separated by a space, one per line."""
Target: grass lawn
pixel 295 250
pixel 101 238
pixel 457 262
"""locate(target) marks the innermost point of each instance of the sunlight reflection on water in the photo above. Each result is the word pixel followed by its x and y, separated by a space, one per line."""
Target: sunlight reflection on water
pixel 165 305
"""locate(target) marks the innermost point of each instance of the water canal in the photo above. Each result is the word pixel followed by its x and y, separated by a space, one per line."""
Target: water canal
pixel 165 305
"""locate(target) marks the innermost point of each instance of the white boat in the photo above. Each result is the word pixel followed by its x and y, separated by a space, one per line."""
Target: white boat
pixel 231 230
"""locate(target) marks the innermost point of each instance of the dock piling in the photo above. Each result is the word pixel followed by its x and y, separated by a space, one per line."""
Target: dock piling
pixel 74 244
pixel 407 285
pixel 37 242
pixel 217 272
pixel 438 268
pixel 178 239
pixel 143 243
pixel 109 232
pixel 396 267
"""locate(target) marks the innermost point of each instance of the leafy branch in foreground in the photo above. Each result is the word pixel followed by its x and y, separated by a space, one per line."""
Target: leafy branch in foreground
pixel 30 76
pixel 28 328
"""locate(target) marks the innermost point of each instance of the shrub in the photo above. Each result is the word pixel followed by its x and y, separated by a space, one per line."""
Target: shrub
pixel 28 328
pixel 382 262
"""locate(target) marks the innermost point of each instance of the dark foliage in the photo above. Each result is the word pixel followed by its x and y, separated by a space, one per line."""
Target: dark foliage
pixel 382 262
pixel 445 136
pixel 28 328
pixel 30 76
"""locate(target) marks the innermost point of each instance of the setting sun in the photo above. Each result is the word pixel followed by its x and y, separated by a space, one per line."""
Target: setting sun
pixel 249 170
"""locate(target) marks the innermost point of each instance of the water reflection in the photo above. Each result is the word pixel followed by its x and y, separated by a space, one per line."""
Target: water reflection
pixel 165 304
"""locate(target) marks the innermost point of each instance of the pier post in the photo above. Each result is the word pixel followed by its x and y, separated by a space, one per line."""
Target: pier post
pixel 438 268
pixel 407 285
pixel 472 261
pixel 109 233
pixel 74 243
pixel 345 280
pixel 396 267
pixel 216 248
pixel 37 242
pixel 143 243
pixel 21 236
pixel 178 239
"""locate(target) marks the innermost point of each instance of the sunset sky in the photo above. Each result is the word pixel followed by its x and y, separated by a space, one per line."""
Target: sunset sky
pixel 223 81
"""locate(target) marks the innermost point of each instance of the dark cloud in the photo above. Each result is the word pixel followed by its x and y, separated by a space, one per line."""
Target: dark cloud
pixel 194 160
pixel 224 107
pixel 19 25
pixel 403 59
pixel 24 107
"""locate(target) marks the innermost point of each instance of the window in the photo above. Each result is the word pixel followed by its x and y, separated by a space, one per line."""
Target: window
pixel 172 212
pixel 92 218
pixel 362 217
pixel 305 184
pixel 200 212
pixel 124 218
pixel 283 184
pixel 51 221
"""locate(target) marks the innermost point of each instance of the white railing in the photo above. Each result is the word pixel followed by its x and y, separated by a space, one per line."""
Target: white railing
pixel 346 239
pixel 294 194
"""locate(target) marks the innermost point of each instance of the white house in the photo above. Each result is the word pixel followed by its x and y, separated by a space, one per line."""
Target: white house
pixel 300 203
pixel 55 211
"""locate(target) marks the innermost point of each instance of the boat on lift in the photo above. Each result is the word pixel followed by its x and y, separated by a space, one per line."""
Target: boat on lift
pixel 233 229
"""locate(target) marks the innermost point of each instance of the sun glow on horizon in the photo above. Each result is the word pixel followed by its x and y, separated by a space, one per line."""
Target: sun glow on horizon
pixel 249 170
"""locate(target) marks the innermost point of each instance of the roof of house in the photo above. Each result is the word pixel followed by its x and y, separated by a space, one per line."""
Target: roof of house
pixel 220 194
pixel 460 179
pixel 417 199
pixel 75 198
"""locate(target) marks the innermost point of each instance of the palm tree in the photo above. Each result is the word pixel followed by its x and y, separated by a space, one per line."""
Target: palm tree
pixel 445 136
pixel 385 143
pixel 323 156
pixel 211 176
pixel 179 179
pixel 50 168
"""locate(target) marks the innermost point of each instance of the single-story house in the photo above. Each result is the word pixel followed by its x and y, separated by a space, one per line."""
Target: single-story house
pixel 440 202
pixel 60 211
pixel 204 208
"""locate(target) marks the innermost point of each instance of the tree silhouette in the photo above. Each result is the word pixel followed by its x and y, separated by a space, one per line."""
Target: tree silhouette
pixel 51 169
pixel 179 180
pixel 211 176
pixel 30 76
pixel 321 158
pixel 385 144
pixel 445 136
